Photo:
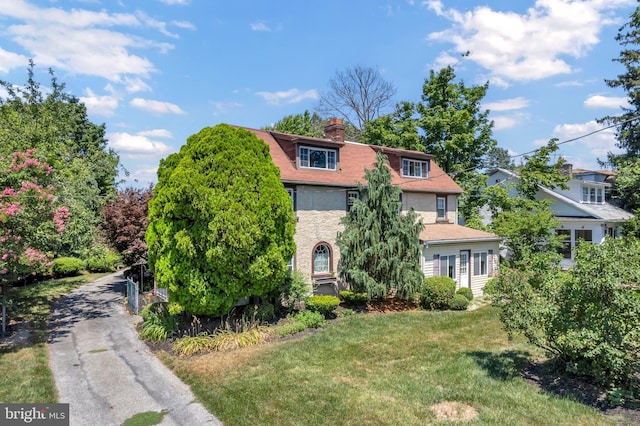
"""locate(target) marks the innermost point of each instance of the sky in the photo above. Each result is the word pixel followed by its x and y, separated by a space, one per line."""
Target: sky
pixel 157 71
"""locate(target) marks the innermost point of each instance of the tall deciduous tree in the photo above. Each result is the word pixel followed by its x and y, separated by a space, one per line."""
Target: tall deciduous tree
pixel 125 222
pixel 448 123
pixel 55 123
pixel 358 95
pixel 380 248
pixel 220 222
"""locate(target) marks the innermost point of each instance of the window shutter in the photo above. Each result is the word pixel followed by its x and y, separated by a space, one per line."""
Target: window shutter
pixel 436 265
pixel 490 263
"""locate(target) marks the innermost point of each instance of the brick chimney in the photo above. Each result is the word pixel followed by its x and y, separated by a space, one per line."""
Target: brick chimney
pixel 566 169
pixel 334 130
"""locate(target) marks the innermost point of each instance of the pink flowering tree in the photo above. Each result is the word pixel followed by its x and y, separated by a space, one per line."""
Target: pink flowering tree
pixel 30 220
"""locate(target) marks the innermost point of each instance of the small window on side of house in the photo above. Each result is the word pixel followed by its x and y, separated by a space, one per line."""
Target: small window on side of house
pixel 351 196
pixel 415 168
pixel 441 207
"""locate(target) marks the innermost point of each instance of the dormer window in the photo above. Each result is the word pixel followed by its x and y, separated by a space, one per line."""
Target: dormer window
pixel 592 195
pixel 415 168
pixel 317 158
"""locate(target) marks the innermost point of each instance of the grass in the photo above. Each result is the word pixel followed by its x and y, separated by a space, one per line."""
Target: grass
pixel 381 369
pixel 148 418
pixel 24 371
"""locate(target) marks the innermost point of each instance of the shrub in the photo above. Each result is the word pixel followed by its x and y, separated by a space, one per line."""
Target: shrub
pixel 354 299
pixel 293 290
pixel 459 302
pixel 67 266
pixel 437 292
pixel 491 287
pixel 345 313
pixel 264 312
pixel 322 304
pixel 292 327
pixel 158 323
pixel 466 292
pixel 310 319
pixel 102 259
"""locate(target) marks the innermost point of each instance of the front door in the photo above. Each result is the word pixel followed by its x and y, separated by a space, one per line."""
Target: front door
pixel 464 269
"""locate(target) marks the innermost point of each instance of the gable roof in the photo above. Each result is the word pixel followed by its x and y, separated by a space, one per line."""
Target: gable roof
pixel 353 159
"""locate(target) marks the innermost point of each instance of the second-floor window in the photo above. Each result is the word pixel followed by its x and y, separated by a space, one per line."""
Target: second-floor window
pixel 317 158
pixel 441 207
pixel 415 168
pixel 592 195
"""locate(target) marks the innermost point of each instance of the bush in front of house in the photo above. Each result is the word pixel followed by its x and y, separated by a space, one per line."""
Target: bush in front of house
pixel 459 303
pixel 491 287
pixel 354 299
pixel 466 292
pixel 301 321
pixel 102 259
pixel 323 304
pixel 159 323
pixel 437 292
pixel 67 266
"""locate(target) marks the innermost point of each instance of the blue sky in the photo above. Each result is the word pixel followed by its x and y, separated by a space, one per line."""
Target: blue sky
pixel 157 71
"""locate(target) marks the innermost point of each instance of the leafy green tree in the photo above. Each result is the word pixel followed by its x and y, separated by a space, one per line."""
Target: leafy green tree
pixel 55 124
pixel 499 158
pixel 380 248
pixel 220 222
pixel 588 318
pixel 398 129
pixel 525 223
pixel 626 189
pixel 305 124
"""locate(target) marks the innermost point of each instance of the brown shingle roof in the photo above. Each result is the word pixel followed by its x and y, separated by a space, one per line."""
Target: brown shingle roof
pixel 353 159
pixel 441 232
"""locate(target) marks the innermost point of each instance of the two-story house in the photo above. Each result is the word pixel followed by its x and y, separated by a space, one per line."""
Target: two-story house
pixel 321 175
pixel 582 210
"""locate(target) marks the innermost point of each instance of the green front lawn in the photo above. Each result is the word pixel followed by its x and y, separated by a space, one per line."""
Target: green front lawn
pixel 381 369
pixel 24 371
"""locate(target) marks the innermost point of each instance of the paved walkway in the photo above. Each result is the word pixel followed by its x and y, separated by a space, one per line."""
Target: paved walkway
pixel 104 371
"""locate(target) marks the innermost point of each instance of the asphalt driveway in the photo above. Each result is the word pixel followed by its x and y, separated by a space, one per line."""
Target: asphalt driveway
pixel 101 368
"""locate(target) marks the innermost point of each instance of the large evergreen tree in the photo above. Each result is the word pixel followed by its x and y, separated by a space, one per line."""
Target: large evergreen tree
pixel 627 184
pixel 220 222
pixel 55 124
pixel 380 247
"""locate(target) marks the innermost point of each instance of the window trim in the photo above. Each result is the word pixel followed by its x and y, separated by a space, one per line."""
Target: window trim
pixel 420 165
pixel 292 194
pixel 313 260
pixel 306 163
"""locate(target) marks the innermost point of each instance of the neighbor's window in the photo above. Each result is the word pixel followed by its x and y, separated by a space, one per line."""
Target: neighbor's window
pixel 584 235
pixel 317 158
pixel 321 259
pixel 592 195
pixel 415 168
pixel 565 250
pixel 480 263
pixel 441 207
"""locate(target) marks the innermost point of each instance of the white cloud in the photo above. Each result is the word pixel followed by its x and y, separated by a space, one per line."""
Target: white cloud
pixel 186 25
pixel 135 84
pixel 96 43
pixel 99 105
pixel 599 101
pixel 156 106
pixel 157 133
pixel 260 26
pixel 291 96
pixel 136 144
pixel 507 104
pixel 504 122
pixel 597 144
pixel 176 2
pixel 10 60
pixel 528 46
pixel 221 108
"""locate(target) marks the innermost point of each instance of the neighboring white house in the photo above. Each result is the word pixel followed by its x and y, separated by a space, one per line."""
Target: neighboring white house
pixel 582 210
pixel 321 175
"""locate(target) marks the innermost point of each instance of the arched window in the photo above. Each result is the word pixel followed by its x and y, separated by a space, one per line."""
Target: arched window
pixel 322 259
